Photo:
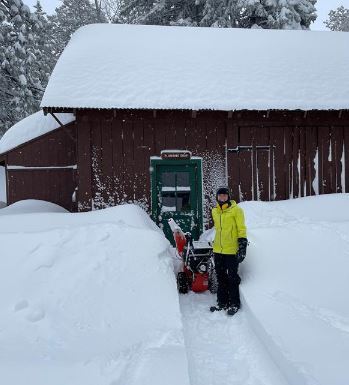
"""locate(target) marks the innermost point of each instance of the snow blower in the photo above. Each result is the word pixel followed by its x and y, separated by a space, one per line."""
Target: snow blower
pixel 197 271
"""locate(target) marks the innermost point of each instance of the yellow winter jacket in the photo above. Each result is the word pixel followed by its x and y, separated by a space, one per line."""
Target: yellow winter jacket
pixel 229 223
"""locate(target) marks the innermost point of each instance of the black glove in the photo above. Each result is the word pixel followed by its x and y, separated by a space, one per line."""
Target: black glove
pixel 241 254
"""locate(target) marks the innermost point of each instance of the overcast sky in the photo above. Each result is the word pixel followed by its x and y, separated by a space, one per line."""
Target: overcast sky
pixel 323 8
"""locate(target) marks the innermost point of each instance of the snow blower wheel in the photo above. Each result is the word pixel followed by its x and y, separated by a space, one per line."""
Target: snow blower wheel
pixel 182 283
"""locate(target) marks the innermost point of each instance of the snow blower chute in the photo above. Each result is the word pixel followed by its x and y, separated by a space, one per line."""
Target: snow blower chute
pixel 197 271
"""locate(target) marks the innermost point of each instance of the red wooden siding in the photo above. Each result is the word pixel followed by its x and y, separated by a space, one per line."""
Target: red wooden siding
pixel 56 186
pixel 121 148
pixel 56 148
pixel 263 155
pixel 290 161
pixel 44 168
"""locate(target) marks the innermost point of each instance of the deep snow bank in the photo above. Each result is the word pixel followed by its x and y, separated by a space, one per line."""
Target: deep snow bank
pixel 88 299
pixel 32 206
pixel 295 285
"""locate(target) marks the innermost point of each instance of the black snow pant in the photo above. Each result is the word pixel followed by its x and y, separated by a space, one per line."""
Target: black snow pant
pixel 228 279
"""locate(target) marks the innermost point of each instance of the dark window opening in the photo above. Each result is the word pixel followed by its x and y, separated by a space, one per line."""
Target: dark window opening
pixel 175 191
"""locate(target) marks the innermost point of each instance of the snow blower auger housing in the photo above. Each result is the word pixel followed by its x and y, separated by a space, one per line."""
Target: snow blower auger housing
pixel 197 271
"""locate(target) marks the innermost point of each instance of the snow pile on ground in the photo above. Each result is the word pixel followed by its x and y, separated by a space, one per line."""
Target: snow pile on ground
pixel 31 127
pixel 87 299
pixel 31 206
pixel 142 66
pixel 295 285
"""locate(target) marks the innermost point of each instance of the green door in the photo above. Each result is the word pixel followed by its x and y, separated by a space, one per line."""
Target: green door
pixel 177 194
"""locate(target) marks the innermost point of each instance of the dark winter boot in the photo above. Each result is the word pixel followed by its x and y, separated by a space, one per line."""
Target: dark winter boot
pixel 232 310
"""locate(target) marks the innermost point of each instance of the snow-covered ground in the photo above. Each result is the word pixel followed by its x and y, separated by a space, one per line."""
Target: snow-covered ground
pixel 296 282
pixel 91 299
pixel 87 299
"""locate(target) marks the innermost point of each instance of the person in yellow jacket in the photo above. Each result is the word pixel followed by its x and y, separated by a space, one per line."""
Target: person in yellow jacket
pixel 229 248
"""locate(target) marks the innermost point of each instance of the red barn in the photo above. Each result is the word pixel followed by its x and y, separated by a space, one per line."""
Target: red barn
pixel 161 116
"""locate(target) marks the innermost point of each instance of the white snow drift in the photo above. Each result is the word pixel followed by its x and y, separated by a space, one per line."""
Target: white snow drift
pixel 87 299
pixel 91 299
pixel 294 289
pixel 134 66
pixel 295 285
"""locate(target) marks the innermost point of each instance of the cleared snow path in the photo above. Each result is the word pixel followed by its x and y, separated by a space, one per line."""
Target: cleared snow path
pixel 222 349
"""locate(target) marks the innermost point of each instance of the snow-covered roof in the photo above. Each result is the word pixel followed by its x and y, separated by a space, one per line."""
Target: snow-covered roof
pixel 30 128
pixel 137 66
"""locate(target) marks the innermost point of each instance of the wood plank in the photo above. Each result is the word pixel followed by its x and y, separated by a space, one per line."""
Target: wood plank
pixel 277 140
pixel 288 142
pixel 149 150
pixel 324 138
pixel 84 165
pixel 128 154
pixel 262 163
pixel 338 134
pixel 159 135
pixel 332 166
pixel 98 184
pixel 107 161
pixel 179 127
pixel 309 160
pixel 245 165
pixel 233 159
pixel 314 161
pixel 302 161
pixel 204 133
pixel 346 157
pixel 118 161
pixel 141 164
pixel 170 133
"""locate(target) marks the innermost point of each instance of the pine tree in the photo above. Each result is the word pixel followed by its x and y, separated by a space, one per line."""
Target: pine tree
pixel 161 12
pixel 223 13
pixel 41 48
pixel 71 15
pixel 281 14
pixel 338 20
pixel 19 90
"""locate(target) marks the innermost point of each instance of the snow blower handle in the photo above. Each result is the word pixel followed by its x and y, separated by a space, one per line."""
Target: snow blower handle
pixel 178 235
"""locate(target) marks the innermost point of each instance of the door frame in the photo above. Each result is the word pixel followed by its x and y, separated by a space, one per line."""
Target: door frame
pixel 197 163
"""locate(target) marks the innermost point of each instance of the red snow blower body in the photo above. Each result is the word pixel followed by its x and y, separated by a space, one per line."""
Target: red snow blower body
pixel 197 271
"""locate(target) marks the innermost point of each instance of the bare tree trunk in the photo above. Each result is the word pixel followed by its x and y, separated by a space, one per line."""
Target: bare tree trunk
pixel 98 10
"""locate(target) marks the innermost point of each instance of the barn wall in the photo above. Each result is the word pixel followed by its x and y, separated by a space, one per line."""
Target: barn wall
pixel 44 168
pixel 270 155
pixel 290 155
pixel 120 148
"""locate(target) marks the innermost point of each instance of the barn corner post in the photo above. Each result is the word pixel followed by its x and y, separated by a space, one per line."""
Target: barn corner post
pixel 84 162
pixel 3 163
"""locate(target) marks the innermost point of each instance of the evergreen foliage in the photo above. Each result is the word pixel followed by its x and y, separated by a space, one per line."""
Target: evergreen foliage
pixel 20 77
pixel 277 14
pixel 338 20
pixel 70 16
